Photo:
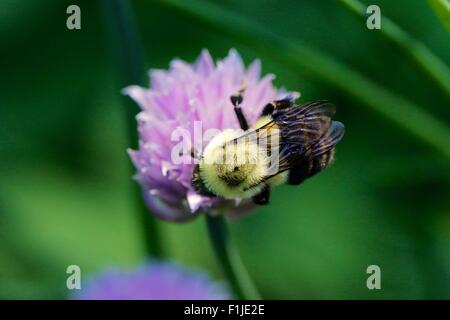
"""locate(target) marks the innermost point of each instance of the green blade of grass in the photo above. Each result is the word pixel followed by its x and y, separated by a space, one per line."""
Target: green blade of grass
pixel 442 10
pixel 434 67
pixel 127 53
pixel 317 65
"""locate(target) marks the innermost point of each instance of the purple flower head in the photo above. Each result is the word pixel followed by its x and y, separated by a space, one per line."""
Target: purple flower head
pixel 181 98
pixel 154 281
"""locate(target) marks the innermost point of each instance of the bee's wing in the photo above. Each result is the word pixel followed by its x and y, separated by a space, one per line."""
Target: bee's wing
pixel 297 125
pixel 305 123
pixel 329 140
pixel 306 132
pixel 290 156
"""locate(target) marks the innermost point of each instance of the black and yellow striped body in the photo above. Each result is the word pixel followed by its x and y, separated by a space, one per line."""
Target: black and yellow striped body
pixel 305 137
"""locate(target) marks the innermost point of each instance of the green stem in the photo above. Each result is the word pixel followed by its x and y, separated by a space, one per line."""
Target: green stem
pixel 229 259
pixel 416 50
pixel 317 65
pixel 127 53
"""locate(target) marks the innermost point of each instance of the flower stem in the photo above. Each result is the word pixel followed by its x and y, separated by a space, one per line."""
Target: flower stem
pixel 416 50
pixel 229 259
pixel 127 54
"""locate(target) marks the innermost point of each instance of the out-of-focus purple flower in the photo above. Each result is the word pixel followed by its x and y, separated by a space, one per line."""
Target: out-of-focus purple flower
pixel 177 98
pixel 154 281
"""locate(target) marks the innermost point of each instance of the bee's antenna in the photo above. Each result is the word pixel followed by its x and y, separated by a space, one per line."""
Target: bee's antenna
pixel 236 101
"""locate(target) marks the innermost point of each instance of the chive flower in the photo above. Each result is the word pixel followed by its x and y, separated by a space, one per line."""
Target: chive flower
pixel 181 98
pixel 152 281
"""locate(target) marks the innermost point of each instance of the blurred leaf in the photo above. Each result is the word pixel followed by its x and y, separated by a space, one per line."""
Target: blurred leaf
pixel 442 10
pixel 425 59
pixel 126 48
pixel 65 221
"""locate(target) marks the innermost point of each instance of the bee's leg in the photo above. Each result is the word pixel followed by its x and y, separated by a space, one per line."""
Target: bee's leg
pixel 277 105
pixel 236 100
pixel 268 109
pixel 262 198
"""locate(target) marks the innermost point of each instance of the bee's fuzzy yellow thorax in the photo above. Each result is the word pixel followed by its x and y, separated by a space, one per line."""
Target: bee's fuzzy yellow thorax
pixel 233 170
pixel 262 121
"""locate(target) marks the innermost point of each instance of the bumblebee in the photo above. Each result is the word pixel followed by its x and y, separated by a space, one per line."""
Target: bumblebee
pixel 239 163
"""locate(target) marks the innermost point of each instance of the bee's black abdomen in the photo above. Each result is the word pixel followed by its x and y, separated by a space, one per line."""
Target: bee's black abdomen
pixel 318 155
pixel 307 169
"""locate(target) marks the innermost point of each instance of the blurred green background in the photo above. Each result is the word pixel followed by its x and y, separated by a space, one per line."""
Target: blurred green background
pixel 65 195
